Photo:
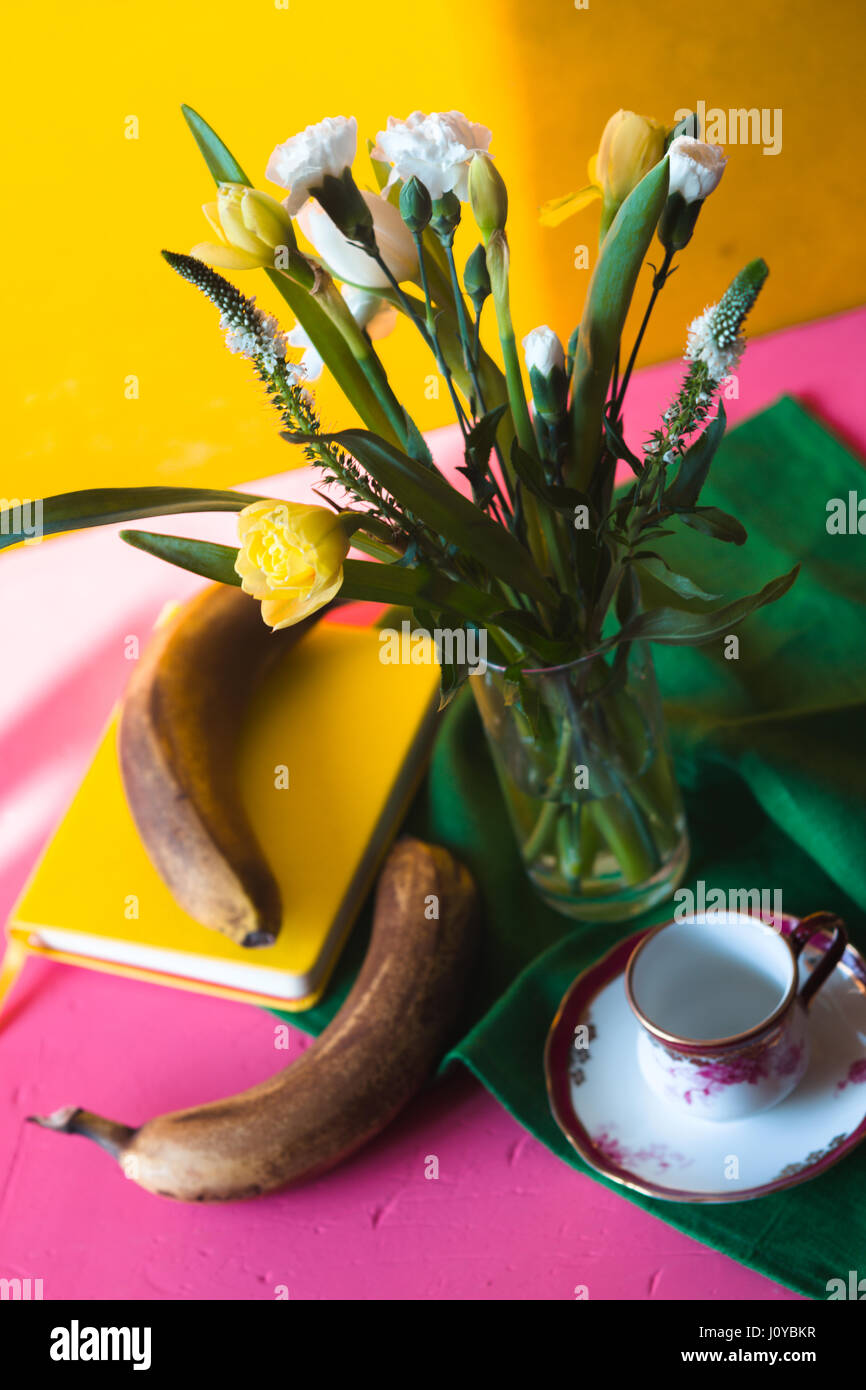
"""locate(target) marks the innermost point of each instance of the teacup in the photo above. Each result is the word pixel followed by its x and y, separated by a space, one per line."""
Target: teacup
pixel 724 1028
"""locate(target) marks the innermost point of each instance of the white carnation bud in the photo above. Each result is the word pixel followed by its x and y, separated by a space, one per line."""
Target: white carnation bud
pixel 543 351
pixel 695 168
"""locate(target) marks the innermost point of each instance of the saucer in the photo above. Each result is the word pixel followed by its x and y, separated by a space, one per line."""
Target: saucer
pixel 622 1130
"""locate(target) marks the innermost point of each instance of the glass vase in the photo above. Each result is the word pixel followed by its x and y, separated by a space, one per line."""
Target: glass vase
pixel 582 757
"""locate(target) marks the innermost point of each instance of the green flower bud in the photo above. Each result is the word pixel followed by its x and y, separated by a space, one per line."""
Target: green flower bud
pixel 498 265
pixel 446 216
pixel 678 221
pixel 416 206
pixel 549 393
pixel 342 201
pixel 488 196
pixel 476 281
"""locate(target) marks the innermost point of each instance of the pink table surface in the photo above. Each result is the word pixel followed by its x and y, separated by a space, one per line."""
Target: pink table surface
pixel 505 1219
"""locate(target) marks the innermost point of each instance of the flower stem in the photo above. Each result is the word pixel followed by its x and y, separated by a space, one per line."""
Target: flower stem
pixel 497 269
pixel 362 350
pixel 551 808
pixel 428 330
pixel 470 360
pixel 661 275
pixel 625 836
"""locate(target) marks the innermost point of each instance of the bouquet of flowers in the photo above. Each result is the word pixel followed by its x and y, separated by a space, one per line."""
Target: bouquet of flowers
pixel 533 548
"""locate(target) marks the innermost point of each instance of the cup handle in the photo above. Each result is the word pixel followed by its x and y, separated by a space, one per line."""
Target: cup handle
pixel 803 932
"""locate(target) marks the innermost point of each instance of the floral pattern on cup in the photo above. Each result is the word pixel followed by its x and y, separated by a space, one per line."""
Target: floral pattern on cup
pixel 656 1155
pixel 718 1085
pixel 736 1072
pixel 856 1075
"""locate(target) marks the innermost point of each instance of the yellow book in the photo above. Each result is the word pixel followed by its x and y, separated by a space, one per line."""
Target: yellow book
pixel 352 734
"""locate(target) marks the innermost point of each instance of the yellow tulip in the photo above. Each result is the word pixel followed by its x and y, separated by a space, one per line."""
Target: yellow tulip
pixel 249 227
pixel 290 558
pixel 630 146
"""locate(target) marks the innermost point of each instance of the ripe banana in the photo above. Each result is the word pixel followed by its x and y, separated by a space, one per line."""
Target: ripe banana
pixel 398 1019
pixel 179 727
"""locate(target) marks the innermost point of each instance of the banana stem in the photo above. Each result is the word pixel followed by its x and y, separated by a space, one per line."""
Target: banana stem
pixel 108 1134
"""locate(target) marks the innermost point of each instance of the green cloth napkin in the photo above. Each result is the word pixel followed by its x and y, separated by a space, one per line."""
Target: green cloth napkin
pixel 771 755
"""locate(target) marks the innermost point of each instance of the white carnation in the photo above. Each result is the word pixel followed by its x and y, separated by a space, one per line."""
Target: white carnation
pixel 302 161
pixel 435 149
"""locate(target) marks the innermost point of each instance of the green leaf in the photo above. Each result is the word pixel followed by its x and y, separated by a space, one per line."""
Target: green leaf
pixel 421 587
pixel 213 561
pixel 219 159
pixel 76 511
pixel 617 446
pixel 528 631
pixel 627 597
pixel 710 521
pixel 685 490
pixel 531 475
pixel 658 568
pixel 676 627
pixel 441 507
pixel 334 352
pixel 653 533
pixel 453 675
pixel 377 583
pixel 482 436
pixel 607 303
pixel 323 334
pixel 528 470
pixel 416 444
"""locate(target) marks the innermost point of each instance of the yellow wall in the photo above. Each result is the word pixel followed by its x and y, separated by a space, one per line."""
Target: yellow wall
pixel 88 301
